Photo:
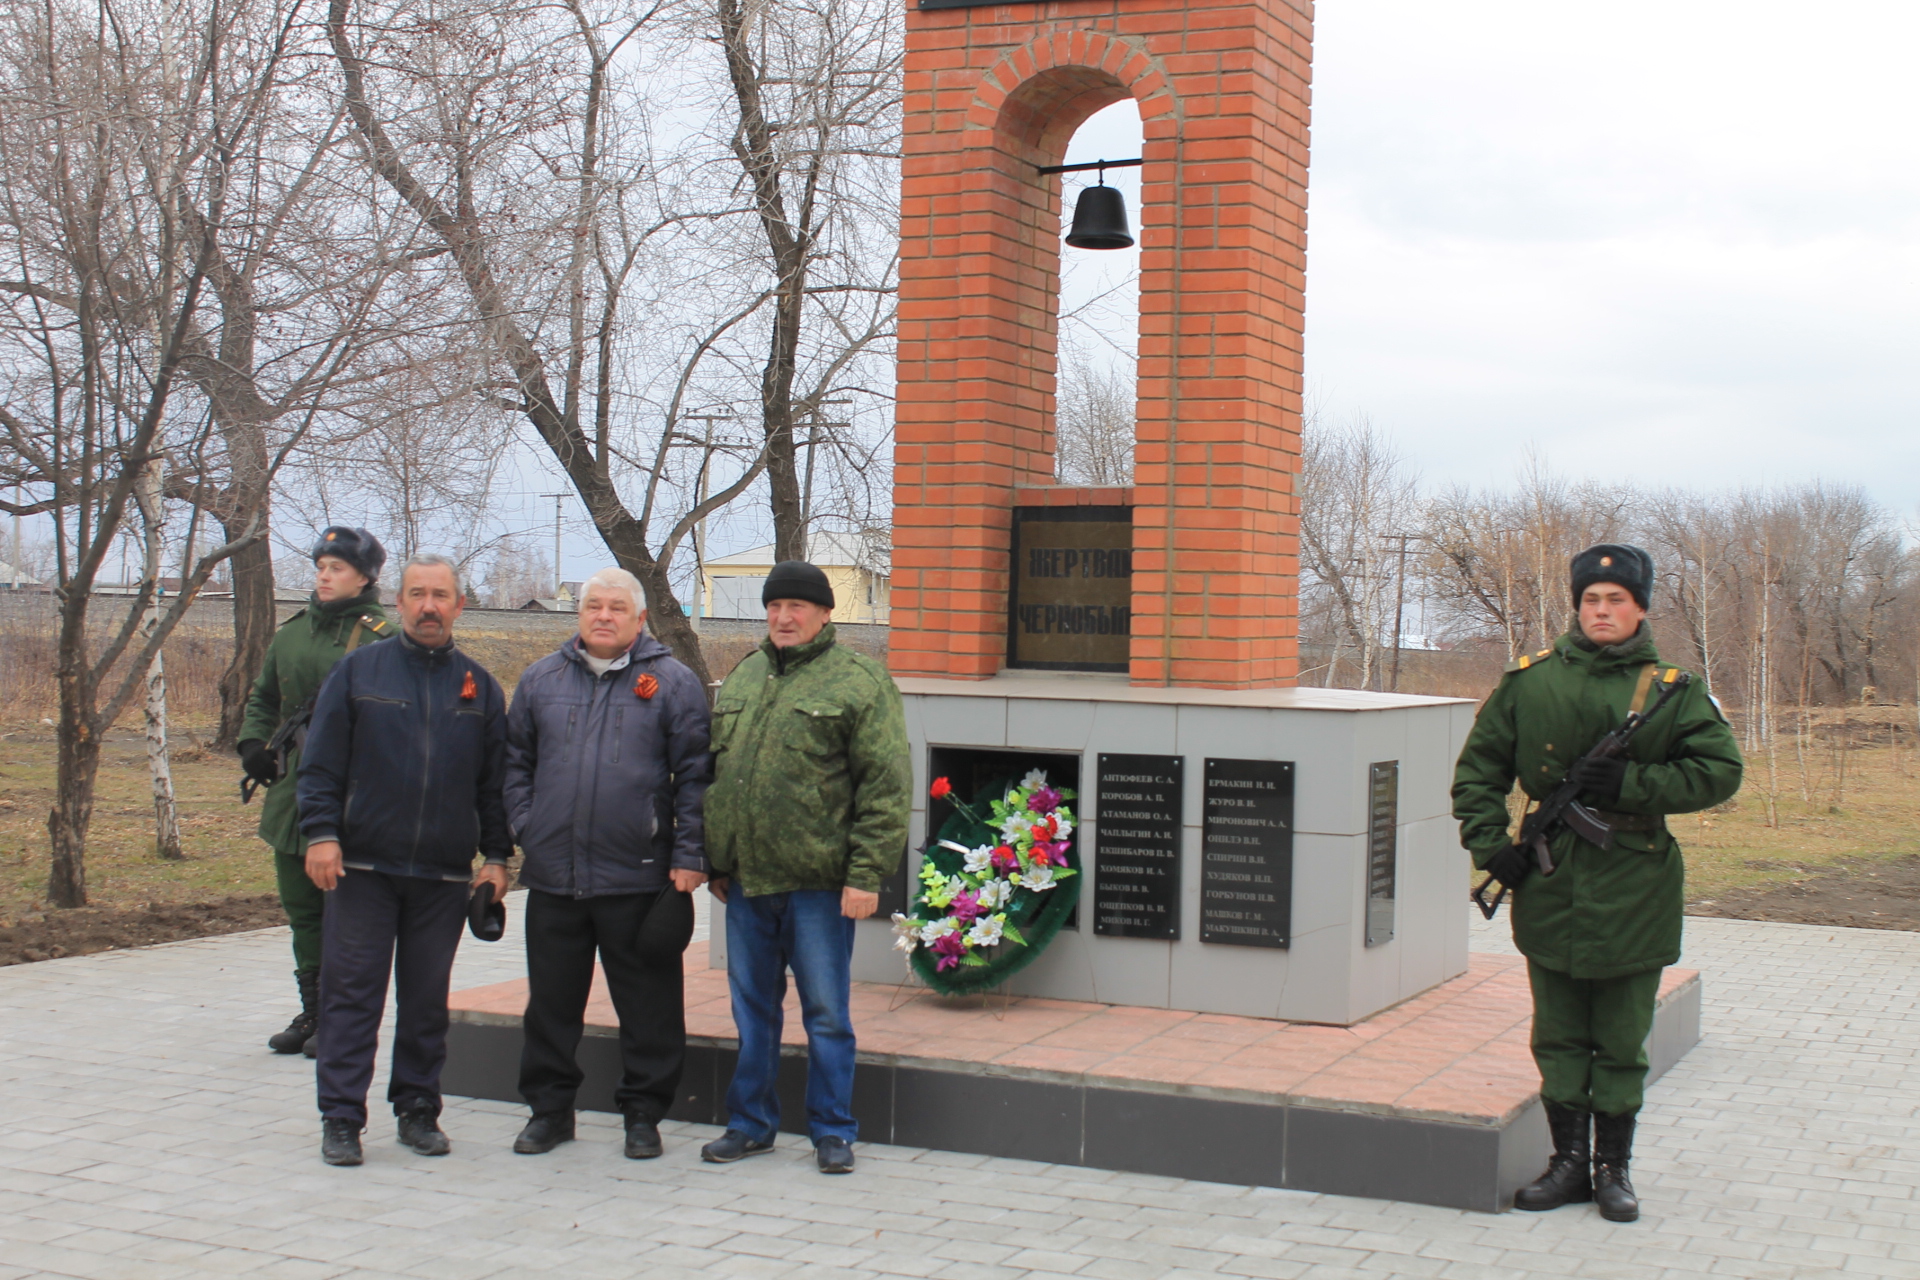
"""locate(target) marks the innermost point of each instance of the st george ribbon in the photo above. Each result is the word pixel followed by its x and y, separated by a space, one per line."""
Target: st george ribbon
pixel 1246 853
pixel 1136 863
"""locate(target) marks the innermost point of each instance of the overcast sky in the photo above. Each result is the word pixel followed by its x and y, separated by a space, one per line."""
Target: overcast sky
pixel 1678 240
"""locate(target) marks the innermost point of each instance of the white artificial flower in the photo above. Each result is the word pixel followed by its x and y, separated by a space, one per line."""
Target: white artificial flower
pixel 1064 829
pixel 1035 779
pixel 937 929
pixel 985 932
pixel 978 860
pixel 1039 879
pixel 1013 826
pixel 994 894
pixel 905 931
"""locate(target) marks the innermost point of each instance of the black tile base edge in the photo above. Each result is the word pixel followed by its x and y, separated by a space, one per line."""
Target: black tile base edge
pixel 1462 1166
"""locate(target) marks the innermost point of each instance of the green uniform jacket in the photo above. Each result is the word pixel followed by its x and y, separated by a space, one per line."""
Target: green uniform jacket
pixel 812 785
pixel 303 652
pixel 1603 913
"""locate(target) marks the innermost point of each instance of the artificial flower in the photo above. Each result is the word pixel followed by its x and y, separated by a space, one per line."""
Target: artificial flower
pixel 986 931
pixel 941 789
pixel 979 861
pixel 1035 779
pixel 1045 800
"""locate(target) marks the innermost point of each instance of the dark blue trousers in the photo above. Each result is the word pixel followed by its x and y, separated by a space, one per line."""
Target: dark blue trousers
pixel 376 925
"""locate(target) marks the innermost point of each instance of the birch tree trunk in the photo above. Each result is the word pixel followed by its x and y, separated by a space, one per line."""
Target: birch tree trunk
pixel 147 493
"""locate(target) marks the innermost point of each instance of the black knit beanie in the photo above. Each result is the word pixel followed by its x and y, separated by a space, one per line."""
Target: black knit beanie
pixel 1618 563
pixel 357 547
pixel 797 580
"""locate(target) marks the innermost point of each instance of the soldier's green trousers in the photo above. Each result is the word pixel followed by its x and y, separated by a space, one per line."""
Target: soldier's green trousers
pixel 1590 1038
pixel 304 904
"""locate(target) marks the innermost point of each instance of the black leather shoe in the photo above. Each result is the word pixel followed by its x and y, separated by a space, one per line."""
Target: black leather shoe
pixel 545 1132
pixel 1565 1181
pixel 1612 1151
pixel 733 1145
pixel 420 1129
pixel 833 1155
pixel 340 1142
pixel 643 1138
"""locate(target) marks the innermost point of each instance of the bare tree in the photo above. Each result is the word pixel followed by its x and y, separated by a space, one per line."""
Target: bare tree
pixel 1355 491
pixel 1094 419
pixel 149 494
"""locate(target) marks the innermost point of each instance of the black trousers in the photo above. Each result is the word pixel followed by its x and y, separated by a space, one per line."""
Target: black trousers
pixel 375 925
pixel 648 995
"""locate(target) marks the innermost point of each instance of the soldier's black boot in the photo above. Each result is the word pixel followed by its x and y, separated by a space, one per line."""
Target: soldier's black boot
pixel 340 1141
pixel 301 1029
pixel 1612 1151
pixel 1566 1178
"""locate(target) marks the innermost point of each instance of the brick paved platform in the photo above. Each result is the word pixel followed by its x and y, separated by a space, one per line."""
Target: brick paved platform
pixel 1434 1100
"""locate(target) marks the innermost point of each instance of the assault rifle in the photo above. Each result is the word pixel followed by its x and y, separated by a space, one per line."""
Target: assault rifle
pixel 1563 810
pixel 290 736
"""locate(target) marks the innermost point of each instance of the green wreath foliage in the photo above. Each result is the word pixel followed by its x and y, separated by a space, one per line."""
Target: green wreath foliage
pixel 1034 918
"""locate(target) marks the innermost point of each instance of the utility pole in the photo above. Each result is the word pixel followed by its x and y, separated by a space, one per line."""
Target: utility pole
pixel 699 498
pixel 559 503
pixel 1399 601
pixel 806 495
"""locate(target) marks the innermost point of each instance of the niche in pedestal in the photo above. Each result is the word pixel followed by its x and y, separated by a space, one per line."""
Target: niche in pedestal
pixel 971 768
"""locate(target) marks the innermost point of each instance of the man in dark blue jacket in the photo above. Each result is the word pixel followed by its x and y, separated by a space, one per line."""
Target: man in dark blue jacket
pixel 607 770
pixel 400 783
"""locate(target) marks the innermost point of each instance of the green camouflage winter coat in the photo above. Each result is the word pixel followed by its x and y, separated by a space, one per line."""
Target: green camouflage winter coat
pixel 1604 913
pixel 812 785
pixel 303 652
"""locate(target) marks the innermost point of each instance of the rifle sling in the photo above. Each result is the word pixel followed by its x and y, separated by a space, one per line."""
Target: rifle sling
pixel 1640 690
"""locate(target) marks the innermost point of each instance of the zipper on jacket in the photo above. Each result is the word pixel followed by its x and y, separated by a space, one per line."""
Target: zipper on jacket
pixel 426 761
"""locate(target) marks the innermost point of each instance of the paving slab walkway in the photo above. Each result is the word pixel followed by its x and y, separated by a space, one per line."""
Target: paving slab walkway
pixel 146 1132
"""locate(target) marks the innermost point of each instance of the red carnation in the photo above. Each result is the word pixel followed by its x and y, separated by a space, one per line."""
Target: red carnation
pixel 941 789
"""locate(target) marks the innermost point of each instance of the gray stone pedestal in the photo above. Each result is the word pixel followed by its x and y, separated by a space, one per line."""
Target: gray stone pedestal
pixel 1329 973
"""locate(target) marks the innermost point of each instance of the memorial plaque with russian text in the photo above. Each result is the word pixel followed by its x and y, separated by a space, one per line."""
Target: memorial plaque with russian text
pixel 1136 860
pixel 1070 607
pixel 1246 853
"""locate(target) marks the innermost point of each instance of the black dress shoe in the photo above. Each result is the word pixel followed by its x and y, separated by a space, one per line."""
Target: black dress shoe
pixel 545 1132
pixel 833 1155
pixel 643 1138
pixel 733 1145
pixel 1612 1151
pixel 1565 1181
pixel 340 1142
pixel 420 1129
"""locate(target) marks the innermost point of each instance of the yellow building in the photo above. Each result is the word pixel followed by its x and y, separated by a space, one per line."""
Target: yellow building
pixel 856 566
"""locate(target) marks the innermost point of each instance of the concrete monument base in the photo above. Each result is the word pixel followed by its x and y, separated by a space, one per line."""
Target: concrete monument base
pixel 1357 941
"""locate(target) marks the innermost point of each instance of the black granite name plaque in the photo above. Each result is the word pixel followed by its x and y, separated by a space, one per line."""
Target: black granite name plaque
pixel 1136 859
pixel 1246 853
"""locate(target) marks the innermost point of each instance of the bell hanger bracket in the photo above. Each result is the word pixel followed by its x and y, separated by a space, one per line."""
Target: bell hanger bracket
pixel 1095 164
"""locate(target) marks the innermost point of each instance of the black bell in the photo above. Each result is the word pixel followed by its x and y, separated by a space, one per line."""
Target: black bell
pixel 1100 220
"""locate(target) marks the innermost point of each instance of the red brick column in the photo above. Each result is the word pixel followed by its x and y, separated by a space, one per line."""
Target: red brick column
pixel 992 93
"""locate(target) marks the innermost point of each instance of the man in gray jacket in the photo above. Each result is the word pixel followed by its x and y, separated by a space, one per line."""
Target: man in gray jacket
pixel 607 767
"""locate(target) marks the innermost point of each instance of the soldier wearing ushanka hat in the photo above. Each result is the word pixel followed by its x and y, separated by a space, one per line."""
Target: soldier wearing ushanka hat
pixel 1599 930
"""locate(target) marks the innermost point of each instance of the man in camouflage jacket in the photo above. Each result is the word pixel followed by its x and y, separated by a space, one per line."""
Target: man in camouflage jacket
pixel 806 816
pixel 1598 931
pixel 342 614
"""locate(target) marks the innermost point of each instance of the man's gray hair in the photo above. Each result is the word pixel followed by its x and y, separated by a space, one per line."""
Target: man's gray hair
pixel 422 559
pixel 615 579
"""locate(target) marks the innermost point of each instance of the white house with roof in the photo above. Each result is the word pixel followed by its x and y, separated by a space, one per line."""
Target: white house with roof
pixel 857 566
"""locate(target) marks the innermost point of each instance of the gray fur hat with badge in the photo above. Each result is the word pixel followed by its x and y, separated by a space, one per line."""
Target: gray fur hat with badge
pixel 1618 563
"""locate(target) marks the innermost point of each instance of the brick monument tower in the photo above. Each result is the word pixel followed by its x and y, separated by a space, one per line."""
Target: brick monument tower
pixel 993 94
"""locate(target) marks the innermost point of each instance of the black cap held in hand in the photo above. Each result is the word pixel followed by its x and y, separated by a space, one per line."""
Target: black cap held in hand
pixel 357 547
pixel 797 580
pixel 486 919
pixel 1618 563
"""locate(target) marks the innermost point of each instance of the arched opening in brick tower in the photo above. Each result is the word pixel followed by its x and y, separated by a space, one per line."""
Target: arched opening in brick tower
pixel 1098 332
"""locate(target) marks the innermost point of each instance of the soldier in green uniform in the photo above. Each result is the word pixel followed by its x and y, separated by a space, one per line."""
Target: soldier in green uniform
pixel 1598 931
pixel 343 613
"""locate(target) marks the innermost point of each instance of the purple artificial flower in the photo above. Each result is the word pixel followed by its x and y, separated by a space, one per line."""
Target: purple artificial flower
pixel 1057 853
pixel 965 907
pixel 949 947
pixel 1045 800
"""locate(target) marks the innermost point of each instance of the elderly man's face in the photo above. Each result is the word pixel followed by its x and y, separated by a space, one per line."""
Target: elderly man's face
pixel 609 624
pixel 429 603
pixel 792 622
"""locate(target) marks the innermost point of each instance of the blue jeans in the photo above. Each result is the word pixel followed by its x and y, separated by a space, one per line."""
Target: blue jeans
pixel 765 935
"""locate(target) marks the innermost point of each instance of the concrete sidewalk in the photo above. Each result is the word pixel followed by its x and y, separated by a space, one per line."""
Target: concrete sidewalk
pixel 147 1132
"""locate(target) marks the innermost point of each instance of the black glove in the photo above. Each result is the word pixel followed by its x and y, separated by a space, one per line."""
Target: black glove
pixel 1510 866
pixel 1600 779
pixel 258 764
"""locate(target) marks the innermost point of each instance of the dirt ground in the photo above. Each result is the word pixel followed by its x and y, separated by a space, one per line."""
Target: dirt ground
pixel 1825 831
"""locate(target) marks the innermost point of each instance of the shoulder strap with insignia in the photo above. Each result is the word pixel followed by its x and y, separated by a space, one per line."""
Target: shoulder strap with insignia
pixel 377 626
pixel 1526 660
